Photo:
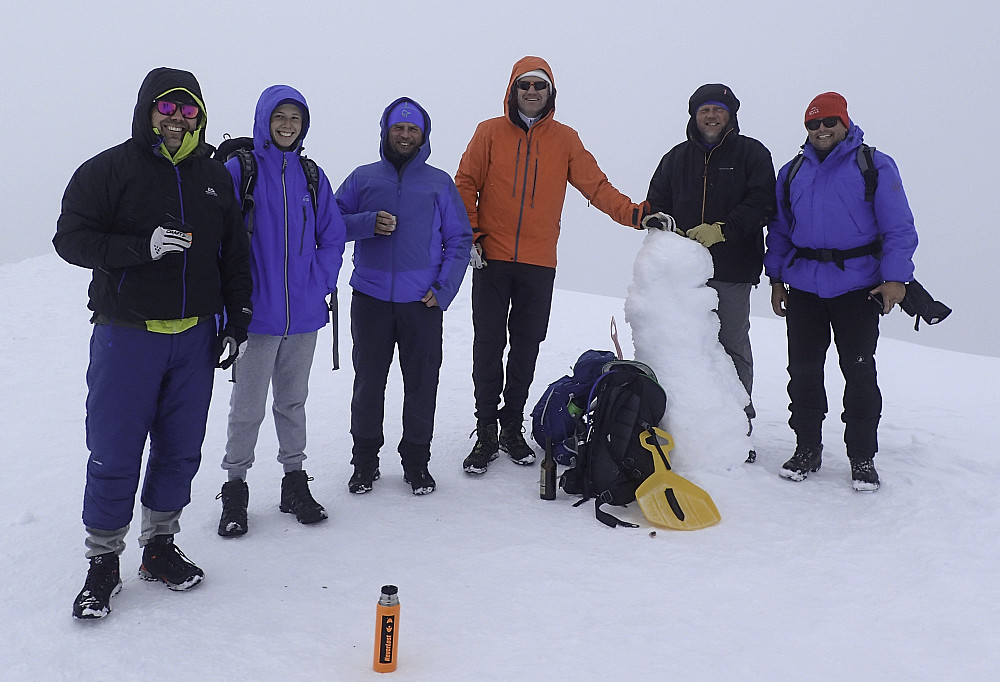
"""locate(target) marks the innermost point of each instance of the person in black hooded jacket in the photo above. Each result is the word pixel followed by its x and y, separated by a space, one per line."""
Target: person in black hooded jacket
pixel 719 187
pixel 158 223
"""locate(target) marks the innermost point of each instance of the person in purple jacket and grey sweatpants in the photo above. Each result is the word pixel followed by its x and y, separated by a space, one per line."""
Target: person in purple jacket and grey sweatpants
pixel 412 243
pixel 296 250
pixel 837 257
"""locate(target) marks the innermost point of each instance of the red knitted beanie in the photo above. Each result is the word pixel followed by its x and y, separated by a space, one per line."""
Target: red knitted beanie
pixel 828 104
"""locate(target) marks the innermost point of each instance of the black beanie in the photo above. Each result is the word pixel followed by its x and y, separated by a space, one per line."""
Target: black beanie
pixel 714 92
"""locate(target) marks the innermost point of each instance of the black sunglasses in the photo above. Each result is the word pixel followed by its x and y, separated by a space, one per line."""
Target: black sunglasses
pixel 828 122
pixel 538 85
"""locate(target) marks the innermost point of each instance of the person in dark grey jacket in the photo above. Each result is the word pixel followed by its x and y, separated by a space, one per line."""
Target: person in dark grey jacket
pixel 157 222
pixel 718 186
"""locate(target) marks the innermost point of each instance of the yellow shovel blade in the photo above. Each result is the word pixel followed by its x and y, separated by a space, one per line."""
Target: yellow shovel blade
pixel 665 498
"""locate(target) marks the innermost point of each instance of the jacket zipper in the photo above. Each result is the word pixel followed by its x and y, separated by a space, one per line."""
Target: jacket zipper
pixel 524 191
pixel 284 195
pixel 180 195
pixel 704 174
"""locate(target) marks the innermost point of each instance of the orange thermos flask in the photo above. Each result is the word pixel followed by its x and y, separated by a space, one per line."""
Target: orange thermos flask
pixel 386 630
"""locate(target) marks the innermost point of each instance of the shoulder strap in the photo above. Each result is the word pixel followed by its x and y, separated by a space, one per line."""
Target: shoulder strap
pixel 866 162
pixel 248 179
pixel 311 170
pixel 792 170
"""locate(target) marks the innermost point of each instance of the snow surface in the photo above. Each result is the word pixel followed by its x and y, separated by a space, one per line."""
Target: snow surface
pixel 803 580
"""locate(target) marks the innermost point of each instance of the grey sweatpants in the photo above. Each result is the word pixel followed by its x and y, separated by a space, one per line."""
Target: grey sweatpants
pixel 734 332
pixel 283 362
pixel 153 523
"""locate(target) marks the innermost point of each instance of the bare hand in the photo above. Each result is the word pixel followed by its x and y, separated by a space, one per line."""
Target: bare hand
pixel 892 293
pixel 779 299
pixel 429 299
pixel 385 223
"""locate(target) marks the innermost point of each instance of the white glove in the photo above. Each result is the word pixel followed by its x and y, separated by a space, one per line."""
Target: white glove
pixel 660 221
pixel 477 260
pixel 166 240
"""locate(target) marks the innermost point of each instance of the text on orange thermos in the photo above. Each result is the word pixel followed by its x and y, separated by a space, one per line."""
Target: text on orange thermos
pixel 386 630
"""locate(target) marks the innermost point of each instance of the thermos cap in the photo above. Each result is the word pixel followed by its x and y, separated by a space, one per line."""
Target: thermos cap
pixel 389 589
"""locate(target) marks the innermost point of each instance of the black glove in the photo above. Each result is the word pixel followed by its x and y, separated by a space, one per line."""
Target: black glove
pixel 231 343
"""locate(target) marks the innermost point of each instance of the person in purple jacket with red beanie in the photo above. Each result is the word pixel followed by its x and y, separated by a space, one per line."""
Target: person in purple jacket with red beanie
pixel 412 243
pixel 836 261
pixel 296 250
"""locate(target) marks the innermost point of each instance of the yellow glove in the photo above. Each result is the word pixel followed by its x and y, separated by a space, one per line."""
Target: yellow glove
pixel 706 234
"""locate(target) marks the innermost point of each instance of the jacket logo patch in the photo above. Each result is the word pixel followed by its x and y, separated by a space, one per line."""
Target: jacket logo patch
pixel 211 192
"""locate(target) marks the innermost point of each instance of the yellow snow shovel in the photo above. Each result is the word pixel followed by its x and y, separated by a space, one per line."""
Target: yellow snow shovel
pixel 665 498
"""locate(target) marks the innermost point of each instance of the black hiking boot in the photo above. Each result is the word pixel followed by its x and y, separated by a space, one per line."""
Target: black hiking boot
pixel 235 496
pixel 363 479
pixel 806 460
pixel 420 480
pixel 484 451
pixel 864 478
pixel 512 442
pixel 164 561
pixel 296 498
pixel 103 582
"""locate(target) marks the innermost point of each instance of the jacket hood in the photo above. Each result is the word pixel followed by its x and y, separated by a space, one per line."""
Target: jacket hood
pixel 523 66
pixel 425 146
pixel 712 92
pixel 157 83
pixel 270 100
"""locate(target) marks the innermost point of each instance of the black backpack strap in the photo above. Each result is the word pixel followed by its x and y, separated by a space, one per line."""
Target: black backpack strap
pixel 248 179
pixel 792 170
pixel 608 519
pixel 311 170
pixel 866 162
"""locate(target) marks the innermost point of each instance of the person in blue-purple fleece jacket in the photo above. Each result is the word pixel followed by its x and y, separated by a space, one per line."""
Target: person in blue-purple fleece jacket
pixel 412 243
pixel 837 259
pixel 296 249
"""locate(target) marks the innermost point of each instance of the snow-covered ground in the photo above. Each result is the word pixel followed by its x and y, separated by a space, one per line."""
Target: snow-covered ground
pixel 799 581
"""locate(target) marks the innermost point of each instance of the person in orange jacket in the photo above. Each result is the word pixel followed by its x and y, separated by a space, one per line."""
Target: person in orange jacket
pixel 512 178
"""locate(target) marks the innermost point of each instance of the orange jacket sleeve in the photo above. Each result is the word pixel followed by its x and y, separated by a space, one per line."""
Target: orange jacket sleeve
pixel 590 180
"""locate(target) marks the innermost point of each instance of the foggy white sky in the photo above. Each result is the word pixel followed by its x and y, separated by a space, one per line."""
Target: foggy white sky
pixel 918 76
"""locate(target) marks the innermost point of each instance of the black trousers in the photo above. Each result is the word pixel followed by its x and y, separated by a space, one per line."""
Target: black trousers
pixel 509 300
pixel 853 320
pixel 377 327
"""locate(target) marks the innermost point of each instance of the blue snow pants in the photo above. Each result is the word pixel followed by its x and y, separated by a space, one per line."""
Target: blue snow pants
pixel 141 384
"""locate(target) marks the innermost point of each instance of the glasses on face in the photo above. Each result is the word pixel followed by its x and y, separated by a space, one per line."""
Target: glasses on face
pixel 828 122
pixel 168 108
pixel 540 86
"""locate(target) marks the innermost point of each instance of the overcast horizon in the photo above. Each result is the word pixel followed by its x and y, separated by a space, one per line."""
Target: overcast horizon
pixel 623 76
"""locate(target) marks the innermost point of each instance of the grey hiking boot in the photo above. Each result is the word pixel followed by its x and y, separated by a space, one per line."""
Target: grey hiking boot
pixel 806 460
pixel 512 442
pixel 864 478
pixel 484 451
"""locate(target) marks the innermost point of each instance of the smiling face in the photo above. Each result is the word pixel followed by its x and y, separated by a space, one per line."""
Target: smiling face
pixel 286 125
pixel 172 128
pixel 531 101
pixel 405 139
pixel 824 139
pixel 712 121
